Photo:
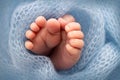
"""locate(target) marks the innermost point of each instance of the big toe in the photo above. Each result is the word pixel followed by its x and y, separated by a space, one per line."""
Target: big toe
pixel 65 20
pixel 53 33
pixel 53 26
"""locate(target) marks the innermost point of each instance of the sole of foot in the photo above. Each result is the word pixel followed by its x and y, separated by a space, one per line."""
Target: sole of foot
pixel 43 35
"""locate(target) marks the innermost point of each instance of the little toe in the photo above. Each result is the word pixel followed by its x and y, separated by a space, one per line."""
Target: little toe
pixel 40 21
pixel 72 26
pixel 76 43
pixel 75 35
pixel 34 27
pixel 29 45
pixel 73 52
pixel 30 34
pixel 53 26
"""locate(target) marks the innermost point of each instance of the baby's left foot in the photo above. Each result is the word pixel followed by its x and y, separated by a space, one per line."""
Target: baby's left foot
pixel 68 52
pixel 43 35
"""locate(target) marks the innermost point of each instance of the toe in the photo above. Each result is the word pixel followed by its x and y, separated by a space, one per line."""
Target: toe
pixel 29 45
pixel 40 21
pixel 76 43
pixel 74 52
pixel 68 18
pixel 62 22
pixel 75 35
pixel 30 34
pixel 65 20
pixel 53 26
pixel 34 27
pixel 72 26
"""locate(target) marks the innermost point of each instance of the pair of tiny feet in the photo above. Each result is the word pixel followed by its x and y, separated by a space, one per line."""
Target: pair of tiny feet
pixel 61 39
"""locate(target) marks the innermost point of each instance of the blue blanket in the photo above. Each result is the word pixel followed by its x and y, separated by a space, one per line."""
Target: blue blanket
pixel 100 21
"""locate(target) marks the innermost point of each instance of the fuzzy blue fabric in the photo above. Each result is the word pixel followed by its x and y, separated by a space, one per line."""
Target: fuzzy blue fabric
pixel 100 21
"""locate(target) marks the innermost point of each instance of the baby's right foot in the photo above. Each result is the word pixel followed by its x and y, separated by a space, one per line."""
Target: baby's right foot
pixel 43 35
pixel 68 51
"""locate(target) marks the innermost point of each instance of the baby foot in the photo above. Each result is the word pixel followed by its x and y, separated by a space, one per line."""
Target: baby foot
pixel 43 35
pixel 68 52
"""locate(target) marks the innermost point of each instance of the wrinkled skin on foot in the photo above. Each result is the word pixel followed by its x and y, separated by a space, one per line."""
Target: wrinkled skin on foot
pixel 61 39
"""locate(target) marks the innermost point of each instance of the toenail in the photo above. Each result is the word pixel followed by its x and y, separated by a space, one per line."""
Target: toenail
pixel 34 27
pixel 68 18
pixel 67 28
pixel 29 34
pixel 28 45
pixel 40 21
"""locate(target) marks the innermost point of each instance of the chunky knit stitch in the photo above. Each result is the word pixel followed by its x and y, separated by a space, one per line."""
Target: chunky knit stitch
pixel 100 21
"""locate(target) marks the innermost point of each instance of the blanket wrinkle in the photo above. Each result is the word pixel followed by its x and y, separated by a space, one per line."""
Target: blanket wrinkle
pixel 100 21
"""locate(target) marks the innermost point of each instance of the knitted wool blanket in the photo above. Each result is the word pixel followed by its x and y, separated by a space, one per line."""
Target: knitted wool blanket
pixel 100 21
